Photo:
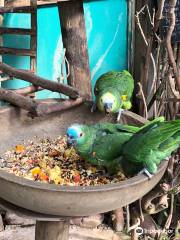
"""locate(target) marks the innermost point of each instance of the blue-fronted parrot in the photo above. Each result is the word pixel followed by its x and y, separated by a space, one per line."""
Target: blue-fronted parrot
pixel 100 144
pixel 113 91
pixel 126 148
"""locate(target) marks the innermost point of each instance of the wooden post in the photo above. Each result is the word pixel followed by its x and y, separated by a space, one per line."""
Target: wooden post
pixel 51 230
pixel 74 39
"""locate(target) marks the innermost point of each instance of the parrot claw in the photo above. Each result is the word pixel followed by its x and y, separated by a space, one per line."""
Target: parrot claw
pixel 119 114
pixel 94 107
pixel 146 172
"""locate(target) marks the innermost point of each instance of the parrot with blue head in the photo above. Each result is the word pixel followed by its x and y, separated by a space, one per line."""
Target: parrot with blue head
pixel 113 91
pixel 100 144
pixel 126 148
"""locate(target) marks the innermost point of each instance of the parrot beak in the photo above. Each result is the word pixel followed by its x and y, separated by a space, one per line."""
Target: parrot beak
pixel 107 107
pixel 71 142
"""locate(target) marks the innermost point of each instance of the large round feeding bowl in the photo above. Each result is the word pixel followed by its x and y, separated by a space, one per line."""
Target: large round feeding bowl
pixel 53 199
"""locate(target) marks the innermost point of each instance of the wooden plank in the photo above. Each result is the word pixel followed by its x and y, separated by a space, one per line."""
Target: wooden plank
pixel 74 41
pixel 2 79
pixel 19 3
pixel 24 9
pixel 17 51
pixel 18 31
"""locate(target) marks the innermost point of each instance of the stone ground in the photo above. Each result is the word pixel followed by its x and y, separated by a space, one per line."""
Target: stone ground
pixel 91 228
pixel 76 233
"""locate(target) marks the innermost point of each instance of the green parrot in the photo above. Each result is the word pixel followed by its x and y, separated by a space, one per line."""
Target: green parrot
pixel 113 91
pixel 101 143
pixel 127 148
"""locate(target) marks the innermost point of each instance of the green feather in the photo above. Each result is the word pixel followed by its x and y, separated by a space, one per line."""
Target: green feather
pixel 153 143
pixel 102 143
pixel 118 84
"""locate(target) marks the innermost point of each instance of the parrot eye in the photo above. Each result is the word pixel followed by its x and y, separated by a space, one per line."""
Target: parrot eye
pixel 80 134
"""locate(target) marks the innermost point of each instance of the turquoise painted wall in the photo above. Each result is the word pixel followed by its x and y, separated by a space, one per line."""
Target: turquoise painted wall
pixel 106 28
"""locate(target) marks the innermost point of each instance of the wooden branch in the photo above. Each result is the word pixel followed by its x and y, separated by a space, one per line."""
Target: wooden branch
pixel 18 100
pixel 75 42
pixel 159 15
pixel 170 216
pixel 17 51
pixel 145 74
pixel 160 204
pixel 172 87
pixel 172 21
pixel 35 107
pixel 27 90
pixel 148 43
pixel 154 22
pixel 39 81
pixel 168 99
pixel 158 92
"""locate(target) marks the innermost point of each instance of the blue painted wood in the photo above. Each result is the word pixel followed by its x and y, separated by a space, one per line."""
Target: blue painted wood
pixel 106 28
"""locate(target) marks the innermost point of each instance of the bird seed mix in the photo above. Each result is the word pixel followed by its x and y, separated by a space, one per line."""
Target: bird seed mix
pixel 51 161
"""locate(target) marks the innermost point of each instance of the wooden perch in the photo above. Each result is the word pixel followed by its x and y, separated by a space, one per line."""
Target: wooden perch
pixel 44 108
pixel 35 107
pixel 20 9
pixel 27 90
pixel 19 31
pixel 18 100
pixel 39 81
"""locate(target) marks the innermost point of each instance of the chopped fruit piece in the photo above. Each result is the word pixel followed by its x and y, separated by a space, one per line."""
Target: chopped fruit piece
pixel 20 148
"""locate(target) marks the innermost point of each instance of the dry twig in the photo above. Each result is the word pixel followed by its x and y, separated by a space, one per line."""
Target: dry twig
pixel 143 98
pixel 172 21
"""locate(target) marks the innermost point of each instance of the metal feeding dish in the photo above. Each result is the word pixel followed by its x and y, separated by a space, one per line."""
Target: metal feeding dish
pixel 58 200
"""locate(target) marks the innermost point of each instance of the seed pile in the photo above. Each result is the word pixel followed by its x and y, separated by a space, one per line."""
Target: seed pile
pixel 51 161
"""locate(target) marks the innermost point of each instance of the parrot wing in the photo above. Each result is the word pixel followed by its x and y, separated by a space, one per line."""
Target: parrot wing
pixel 116 128
pixel 108 147
pixel 153 143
